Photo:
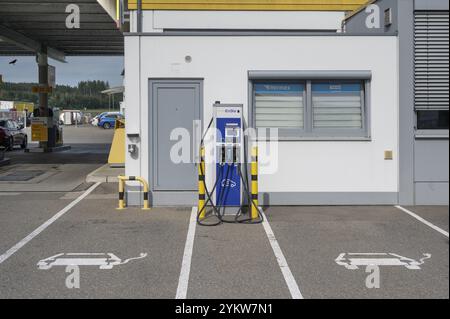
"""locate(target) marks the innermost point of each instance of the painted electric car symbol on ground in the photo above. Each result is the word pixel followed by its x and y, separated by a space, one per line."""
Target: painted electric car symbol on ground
pixel 355 260
pixel 228 183
pixel 102 260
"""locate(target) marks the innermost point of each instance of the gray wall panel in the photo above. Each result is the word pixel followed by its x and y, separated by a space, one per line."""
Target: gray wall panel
pixel 273 198
pixel 432 194
pixel 406 96
pixel 431 4
pixel 328 198
pixel 161 199
pixel 357 23
pixel 431 161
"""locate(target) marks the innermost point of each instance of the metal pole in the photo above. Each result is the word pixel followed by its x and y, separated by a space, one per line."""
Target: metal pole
pixel 43 78
pixel 139 16
pixel 42 60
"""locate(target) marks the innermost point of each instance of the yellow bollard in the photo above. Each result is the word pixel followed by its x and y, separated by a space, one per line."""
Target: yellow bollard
pixel 146 193
pixel 121 193
pixel 122 180
pixel 201 184
pixel 254 213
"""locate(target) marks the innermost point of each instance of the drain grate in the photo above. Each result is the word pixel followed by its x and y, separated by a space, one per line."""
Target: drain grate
pixel 20 176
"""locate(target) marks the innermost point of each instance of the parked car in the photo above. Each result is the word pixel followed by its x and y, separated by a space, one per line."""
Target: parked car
pixel 11 134
pixel 96 119
pixel 109 121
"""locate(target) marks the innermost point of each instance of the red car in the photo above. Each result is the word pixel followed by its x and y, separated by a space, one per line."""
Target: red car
pixel 11 134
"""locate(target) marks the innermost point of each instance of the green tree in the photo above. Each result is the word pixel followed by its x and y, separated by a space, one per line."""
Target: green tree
pixel 87 94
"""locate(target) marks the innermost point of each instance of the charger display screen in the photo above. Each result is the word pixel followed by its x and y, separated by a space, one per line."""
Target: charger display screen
pixel 231 132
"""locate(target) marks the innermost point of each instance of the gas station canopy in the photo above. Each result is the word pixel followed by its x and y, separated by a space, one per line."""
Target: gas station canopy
pixel 27 26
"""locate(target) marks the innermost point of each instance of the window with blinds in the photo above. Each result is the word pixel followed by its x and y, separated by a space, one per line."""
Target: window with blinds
pixel 431 39
pixel 317 108
pixel 279 105
pixel 337 105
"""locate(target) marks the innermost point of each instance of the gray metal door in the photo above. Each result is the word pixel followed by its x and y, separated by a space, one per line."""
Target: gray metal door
pixel 173 104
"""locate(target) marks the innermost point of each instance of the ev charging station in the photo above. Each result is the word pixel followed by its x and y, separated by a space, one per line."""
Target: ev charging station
pixel 230 194
pixel 228 151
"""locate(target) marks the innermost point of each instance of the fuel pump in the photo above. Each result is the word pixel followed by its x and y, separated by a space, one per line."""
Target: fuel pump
pixel 230 195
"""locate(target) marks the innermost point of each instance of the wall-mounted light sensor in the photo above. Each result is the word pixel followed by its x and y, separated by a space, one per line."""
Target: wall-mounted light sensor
pixel 132 148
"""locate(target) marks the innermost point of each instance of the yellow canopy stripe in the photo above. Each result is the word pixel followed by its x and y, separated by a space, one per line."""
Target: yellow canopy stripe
pixel 242 5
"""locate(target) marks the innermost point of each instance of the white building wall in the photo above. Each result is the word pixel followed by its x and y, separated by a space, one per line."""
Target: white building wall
pixel 278 20
pixel 133 108
pixel 223 63
pixel 158 20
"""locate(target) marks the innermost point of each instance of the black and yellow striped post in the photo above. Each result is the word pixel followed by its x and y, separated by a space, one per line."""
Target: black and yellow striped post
pixel 144 183
pixel 201 184
pixel 121 194
pixel 146 206
pixel 254 212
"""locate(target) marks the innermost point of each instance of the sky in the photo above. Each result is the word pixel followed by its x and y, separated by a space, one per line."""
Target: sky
pixel 77 69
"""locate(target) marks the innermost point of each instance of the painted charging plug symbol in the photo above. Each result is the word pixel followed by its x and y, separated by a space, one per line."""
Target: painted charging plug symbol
pixel 228 183
pixel 102 260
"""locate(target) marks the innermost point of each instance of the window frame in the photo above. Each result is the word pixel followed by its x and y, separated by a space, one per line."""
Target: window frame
pixel 429 133
pixel 287 132
pixel 307 78
pixel 344 131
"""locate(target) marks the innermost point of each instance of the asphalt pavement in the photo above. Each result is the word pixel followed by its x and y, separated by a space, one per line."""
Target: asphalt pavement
pixel 228 261
pixel 53 218
pixel 95 226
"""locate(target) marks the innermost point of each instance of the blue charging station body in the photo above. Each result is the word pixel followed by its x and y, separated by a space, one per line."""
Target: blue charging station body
pixel 228 123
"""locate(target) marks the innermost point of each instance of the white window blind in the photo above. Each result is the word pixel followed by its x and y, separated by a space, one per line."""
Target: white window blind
pixel 337 105
pixel 279 105
pixel 431 60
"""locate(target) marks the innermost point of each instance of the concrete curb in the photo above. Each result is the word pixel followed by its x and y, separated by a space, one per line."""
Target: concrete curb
pixel 94 177
pixel 48 150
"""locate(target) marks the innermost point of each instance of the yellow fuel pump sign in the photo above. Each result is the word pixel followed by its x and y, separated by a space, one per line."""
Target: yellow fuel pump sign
pixel 39 130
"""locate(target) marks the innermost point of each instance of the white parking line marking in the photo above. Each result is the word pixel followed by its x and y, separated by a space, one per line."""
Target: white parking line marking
pixel 41 228
pixel 282 263
pixel 440 230
pixel 183 281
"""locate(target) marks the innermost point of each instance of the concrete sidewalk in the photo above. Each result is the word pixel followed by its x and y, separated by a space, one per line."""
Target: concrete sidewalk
pixel 105 174
pixel 44 177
